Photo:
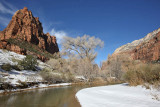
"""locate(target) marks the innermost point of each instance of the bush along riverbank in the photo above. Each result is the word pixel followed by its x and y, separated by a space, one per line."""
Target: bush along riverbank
pixel 19 72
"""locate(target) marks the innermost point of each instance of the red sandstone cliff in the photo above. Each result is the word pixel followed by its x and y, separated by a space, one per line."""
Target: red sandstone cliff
pixel 25 29
pixel 146 49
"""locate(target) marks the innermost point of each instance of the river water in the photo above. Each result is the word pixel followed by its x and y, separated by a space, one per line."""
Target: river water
pixel 48 97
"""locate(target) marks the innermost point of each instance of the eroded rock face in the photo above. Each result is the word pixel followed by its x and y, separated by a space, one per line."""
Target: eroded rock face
pixel 25 27
pixel 130 46
pixel 146 49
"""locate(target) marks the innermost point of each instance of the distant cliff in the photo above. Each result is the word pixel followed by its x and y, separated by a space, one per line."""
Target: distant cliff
pixel 145 49
pixel 24 35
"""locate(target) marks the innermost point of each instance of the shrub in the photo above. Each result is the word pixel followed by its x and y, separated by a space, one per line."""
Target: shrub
pixel 143 73
pixel 6 67
pixel 2 80
pixel 50 76
pixel 56 77
pixel 23 84
pixel 29 63
pixel 69 77
pixel 16 67
pixel 9 67
pixel 30 47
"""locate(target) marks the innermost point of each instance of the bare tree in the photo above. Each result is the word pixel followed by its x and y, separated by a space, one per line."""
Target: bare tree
pixel 117 65
pixel 84 68
pixel 82 47
pixel 81 54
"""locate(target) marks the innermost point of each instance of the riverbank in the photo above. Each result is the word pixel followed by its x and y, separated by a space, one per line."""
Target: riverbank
pixel 118 95
pixel 40 85
pixel 2 92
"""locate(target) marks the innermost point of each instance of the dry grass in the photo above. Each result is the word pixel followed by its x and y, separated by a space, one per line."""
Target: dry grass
pixel 143 73
pixel 56 77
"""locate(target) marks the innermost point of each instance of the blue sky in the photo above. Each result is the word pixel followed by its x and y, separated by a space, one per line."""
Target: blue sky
pixel 116 22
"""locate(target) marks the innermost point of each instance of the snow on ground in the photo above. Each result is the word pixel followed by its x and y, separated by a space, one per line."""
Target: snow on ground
pixel 54 85
pixel 119 95
pixel 80 77
pixel 13 76
pixel 8 56
pixel 36 87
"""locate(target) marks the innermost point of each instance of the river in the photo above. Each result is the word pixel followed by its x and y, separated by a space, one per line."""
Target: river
pixel 48 97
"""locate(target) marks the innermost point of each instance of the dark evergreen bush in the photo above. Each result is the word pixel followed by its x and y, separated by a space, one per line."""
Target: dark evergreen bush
pixel 29 63
pixel 6 67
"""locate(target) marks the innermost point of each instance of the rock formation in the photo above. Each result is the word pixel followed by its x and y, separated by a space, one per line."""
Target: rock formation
pixel 26 29
pixel 146 49
pixel 149 50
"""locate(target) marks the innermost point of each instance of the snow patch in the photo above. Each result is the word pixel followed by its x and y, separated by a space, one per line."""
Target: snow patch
pixel 8 56
pixel 13 76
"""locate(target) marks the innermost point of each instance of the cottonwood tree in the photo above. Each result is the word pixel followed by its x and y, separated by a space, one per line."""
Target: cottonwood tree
pixel 81 54
pixel 82 47
pixel 84 67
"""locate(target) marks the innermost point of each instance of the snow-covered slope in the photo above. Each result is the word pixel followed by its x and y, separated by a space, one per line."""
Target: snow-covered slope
pixel 13 76
pixel 117 96
pixel 21 80
pixel 8 57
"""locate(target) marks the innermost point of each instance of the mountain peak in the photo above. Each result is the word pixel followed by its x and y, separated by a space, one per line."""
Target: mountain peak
pixel 27 28
pixel 25 9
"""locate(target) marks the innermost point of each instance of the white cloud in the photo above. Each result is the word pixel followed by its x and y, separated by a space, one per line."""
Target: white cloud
pixel 59 34
pixel 4 21
pixel 7 8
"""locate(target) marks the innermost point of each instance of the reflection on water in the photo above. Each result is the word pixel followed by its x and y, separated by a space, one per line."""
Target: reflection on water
pixel 50 97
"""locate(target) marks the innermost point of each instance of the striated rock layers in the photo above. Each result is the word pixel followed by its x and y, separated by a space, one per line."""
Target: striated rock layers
pixel 146 49
pixel 24 35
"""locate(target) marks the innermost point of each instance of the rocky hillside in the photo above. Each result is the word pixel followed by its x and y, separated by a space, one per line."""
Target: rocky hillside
pixel 24 35
pixel 145 49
